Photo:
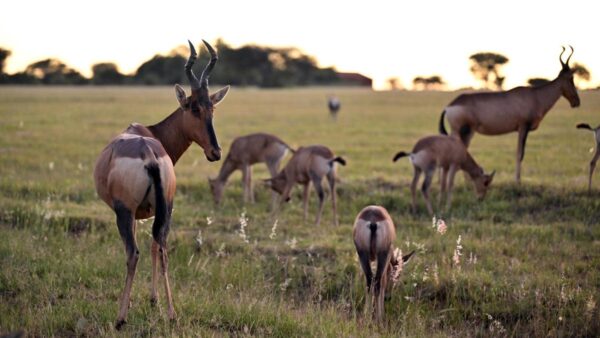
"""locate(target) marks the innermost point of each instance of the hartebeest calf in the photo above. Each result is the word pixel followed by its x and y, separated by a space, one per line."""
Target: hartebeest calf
pixel 309 164
pixel 244 152
pixel 450 155
pixel 596 153
pixel 519 109
pixel 134 174
pixel 374 235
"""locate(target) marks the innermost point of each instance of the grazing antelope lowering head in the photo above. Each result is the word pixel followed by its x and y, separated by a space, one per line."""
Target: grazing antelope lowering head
pixel 244 152
pixel 374 234
pixel 450 155
pixel 134 174
pixel 520 109
pixel 309 164
pixel 596 153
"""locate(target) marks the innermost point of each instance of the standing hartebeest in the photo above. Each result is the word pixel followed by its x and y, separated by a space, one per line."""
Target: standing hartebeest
pixel 450 155
pixel 334 106
pixel 596 153
pixel 519 109
pixel 243 153
pixel 374 234
pixel 134 174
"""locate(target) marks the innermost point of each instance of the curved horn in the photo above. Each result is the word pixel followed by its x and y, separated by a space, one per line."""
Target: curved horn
pixel 209 66
pixel 560 56
pixel 188 67
pixel 569 58
pixel 493 173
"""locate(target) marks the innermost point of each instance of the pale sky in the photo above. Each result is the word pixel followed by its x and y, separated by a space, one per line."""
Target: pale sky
pixel 380 39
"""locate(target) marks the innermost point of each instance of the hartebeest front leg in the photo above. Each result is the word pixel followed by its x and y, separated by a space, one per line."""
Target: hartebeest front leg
pixel 305 193
pixel 126 225
pixel 273 167
pixel 593 166
pixel 523 132
pixel 331 180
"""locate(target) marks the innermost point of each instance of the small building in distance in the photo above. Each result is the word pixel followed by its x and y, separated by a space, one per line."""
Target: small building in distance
pixel 355 79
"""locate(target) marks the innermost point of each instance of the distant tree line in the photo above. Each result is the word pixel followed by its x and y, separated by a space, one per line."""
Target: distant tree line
pixel 248 65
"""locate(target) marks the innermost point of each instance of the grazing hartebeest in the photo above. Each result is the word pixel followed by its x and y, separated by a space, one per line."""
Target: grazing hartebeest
pixel 134 174
pixel 308 164
pixel 596 154
pixel 244 152
pixel 450 155
pixel 374 235
pixel 334 106
pixel 519 109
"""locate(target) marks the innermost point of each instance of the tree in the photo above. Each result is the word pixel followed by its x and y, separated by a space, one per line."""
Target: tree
pixel 106 74
pixel 537 81
pixel 4 54
pixel 486 66
pixel 54 72
pixel 394 83
pixel 581 73
pixel 428 83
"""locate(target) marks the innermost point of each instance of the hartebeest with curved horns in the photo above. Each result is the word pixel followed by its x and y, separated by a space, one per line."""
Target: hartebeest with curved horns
pixel 596 154
pixel 134 174
pixel 519 109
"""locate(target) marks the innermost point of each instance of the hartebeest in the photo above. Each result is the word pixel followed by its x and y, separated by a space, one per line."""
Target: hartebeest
pixel 134 174
pixel 374 235
pixel 519 109
pixel 596 153
pixel 334 106
pixel 244 152
pixel 309 164
pixel 450 155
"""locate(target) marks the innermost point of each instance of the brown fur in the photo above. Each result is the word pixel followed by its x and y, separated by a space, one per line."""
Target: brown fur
pixel 450 155
pixel 309 164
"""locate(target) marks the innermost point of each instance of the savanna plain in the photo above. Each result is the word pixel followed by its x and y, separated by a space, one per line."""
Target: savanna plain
pixel 530 254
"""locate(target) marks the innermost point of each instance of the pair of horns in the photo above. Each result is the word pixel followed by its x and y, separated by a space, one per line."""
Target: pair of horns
pixel 203 82
pixel 565 64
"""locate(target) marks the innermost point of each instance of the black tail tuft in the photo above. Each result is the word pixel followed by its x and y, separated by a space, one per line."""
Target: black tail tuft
pixel 160 212
pixel 399 155
pixel 373 241
pixel 339 160
pixel 442 127
pixel 584 126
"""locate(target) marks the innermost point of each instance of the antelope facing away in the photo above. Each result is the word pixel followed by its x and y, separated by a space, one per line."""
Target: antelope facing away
pixel 374 235
pixel 244 152
pixel 450 155
pixel 309 164
pixel 520 109
pixel 596 154
pixel 134 174
pixel 334 106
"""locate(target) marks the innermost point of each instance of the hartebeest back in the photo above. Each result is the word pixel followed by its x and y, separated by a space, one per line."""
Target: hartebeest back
pixel 374 234
pixel 134 174
pixel 244 152
pixel 596 153
pixel 519 109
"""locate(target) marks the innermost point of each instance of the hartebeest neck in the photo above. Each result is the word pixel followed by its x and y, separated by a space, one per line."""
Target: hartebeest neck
pixel 226 170
pixel 548 94
pixel 471 167
pixel 171 134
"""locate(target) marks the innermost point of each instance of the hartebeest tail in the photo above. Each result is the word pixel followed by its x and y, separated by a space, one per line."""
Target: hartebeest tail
pixel 450 155
pixel 596 153
pixel 520 109
pixel 374 234
pixel 339 160
pixel 134 174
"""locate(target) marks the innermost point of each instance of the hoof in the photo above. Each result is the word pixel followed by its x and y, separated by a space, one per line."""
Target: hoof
pixel 120 323
pixel 153 302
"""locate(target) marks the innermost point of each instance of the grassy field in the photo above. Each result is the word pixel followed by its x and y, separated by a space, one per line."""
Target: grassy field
pixel 530 263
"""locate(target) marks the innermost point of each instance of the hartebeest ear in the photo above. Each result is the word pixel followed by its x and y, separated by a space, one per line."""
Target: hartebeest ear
pixel 181 96
pixel 268 182
pixel 407 257
pixel 219 95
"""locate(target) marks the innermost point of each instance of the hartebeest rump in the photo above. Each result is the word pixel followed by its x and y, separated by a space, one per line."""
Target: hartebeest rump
pixel 374 234
pixel 134 174
pixel 450 155
pixel 243 153
pixel 519 109
pixel 309 164
pixel 596 153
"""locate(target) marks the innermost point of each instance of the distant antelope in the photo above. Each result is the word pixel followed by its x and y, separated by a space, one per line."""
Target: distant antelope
pixel 450 155
pixel 596 154
pixel 519 109
pixel 374 235
pixel 134 174
pixel 244 152
pixel 334 106
pixel 309 164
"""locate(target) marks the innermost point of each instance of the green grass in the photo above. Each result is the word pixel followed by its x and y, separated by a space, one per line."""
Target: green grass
pixel 62 263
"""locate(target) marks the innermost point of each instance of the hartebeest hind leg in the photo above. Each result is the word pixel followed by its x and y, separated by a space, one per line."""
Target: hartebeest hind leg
pixel 366 267
pixel 305 193
pixel 126 225
pixel 316 180
pixel 331 180
pixel 164 263
pixel 413 187
pixel 247 181
pixel 443 179
pixel 451 173
pixel 593 166
pixel 153 289
pixel 523 132
pixel 425 188
pixel 383 258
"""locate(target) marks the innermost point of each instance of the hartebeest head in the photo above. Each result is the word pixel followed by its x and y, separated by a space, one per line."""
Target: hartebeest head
pixel 569 91
pixel 198 108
